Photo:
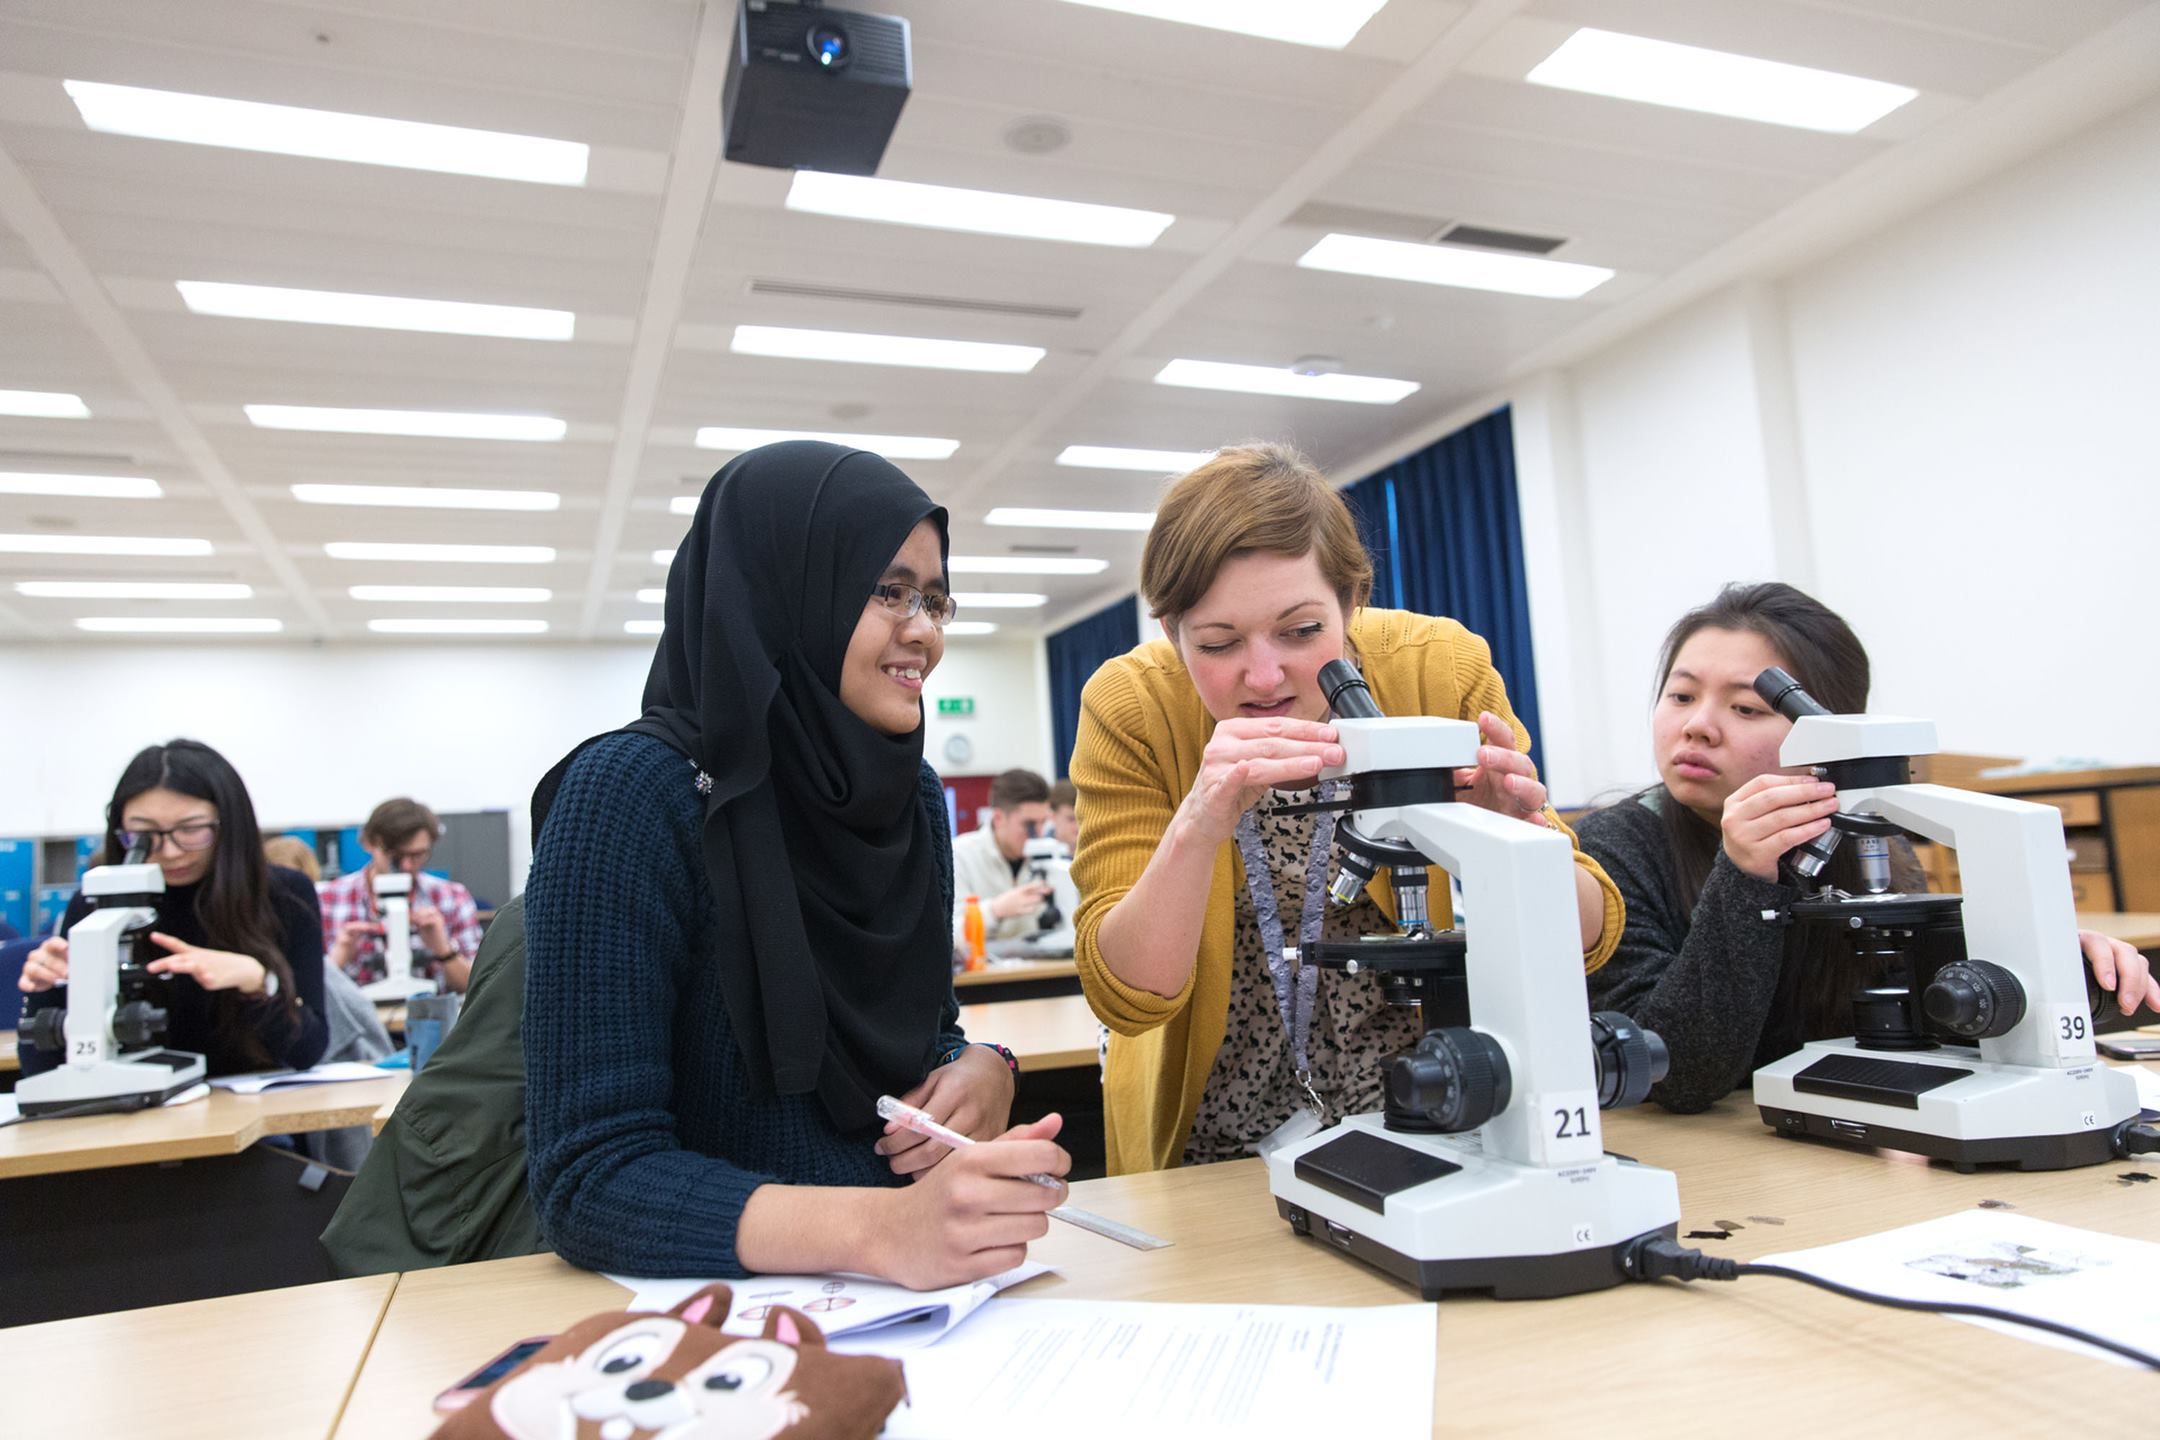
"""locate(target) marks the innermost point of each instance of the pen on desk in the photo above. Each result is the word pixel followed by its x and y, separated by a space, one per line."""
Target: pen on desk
pixel 907 1117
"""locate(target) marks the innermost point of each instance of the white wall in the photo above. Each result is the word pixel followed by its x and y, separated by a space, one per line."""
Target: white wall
pixel 1940 431
pixel 1010 728
pixel 322 734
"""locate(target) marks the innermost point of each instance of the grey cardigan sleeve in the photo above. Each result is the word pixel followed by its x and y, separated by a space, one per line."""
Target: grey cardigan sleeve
pixel 1704 982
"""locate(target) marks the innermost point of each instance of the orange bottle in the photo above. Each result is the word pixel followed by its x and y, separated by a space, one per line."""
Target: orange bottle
pixel 973 932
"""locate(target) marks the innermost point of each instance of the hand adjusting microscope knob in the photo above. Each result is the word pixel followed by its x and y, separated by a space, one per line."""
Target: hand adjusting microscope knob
pixel 1974 999
pixel 1456 1077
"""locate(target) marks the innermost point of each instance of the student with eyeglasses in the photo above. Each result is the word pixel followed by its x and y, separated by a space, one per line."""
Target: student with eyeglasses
pixel 738 921
pixel 238 940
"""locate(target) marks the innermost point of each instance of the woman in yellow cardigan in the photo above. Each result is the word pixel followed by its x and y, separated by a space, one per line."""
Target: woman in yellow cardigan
pixel 1186 748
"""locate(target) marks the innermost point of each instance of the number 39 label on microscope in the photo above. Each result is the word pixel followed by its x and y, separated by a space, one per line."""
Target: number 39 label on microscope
pixel 2070 1032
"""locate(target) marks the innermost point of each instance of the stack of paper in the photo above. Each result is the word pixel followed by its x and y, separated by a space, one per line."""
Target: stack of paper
pixel 859 1316
pixel 331 1074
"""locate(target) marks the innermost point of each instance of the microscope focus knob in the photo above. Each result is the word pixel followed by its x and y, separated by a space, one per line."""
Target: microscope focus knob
pixel 1456 1077
pixel 1629 1059
pixel 138 1024
pixel 1974 999
pixel 46 1030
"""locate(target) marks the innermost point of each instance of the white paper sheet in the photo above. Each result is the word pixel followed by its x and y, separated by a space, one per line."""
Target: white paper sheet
pixel 2097 1282
pixel 1050 1369
pixel 859 1316
pixel 2148 1085
pixel 332 1074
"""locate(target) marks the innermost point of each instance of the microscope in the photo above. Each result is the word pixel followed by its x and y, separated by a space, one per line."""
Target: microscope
pixel 1487 1169
pixel 1048 862
pixel 2034 1094
pixel 393 900
pixel 110 1026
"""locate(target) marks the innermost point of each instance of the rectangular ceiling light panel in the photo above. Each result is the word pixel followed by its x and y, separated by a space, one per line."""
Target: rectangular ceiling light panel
pixel 392 552
pixel 1266 380
pixel 424 497
pixel 132 590
pixel 892 447
pixel 857 349
pixel 1071 519
pixel 101 545
pixel 1152 462
pixel 1323 24
pixel 375 312
pixel 1451 265
pixel 428 424
pixel 43 405
pixel 980 212
pixel 87 487
pixel 1023 565
pixel 1686 77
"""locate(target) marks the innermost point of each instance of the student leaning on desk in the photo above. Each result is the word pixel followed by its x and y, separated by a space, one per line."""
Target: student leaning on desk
pixel 1696 855
pixel 738 919
pixel 1255 571
pixel 239 941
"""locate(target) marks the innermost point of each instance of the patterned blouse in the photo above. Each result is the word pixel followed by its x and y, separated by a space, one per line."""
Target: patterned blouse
pixel 1254 1087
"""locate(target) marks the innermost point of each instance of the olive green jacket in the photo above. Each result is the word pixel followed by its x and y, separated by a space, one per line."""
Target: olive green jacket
pixel 445 1182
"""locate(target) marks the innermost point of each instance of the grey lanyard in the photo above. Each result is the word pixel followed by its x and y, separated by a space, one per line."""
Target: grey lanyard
pixel 1296 983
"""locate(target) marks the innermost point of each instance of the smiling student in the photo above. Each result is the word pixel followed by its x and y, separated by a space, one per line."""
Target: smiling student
pixel 1190 749
pixel 238 940
pixel 1696 855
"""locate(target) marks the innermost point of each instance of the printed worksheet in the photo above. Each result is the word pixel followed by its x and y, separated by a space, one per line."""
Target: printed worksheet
pixel 1049 1369
pixel 2097 1282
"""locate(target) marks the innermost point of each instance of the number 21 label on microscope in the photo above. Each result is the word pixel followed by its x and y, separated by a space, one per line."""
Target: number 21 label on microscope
pixel 1567 1126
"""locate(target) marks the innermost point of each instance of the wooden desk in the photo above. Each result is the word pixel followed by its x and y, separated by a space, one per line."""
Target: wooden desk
pixel 1054 1034
pixel 223 1124
pixel 1002 972
pixel 2137 930
pixel 10 1062
pixel 272 1364
pixel 1687 1360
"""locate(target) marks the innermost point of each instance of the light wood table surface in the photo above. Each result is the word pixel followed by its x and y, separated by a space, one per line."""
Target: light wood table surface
pixel 1757 1355
pixel 1005 972
pixel 2140 931
pixel 274 1364
pixel 10 1062
pixel 222 1124
pixel 1055 1033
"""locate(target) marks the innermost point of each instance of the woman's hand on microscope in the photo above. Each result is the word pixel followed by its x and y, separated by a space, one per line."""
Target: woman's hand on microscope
pixel 45 967
pixel 211 969
pixel 1770 815
pixel 2121 969
pixel 1244 759
pixel 1504 781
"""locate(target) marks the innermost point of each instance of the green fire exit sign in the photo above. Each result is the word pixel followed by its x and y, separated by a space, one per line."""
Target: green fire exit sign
pixel 956 705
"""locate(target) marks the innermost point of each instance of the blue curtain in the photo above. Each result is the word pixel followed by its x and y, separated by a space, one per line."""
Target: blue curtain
pixel 1445 532
pixel 1075 653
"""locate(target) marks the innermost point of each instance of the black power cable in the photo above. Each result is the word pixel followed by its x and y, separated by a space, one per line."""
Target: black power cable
pixel 1657 1258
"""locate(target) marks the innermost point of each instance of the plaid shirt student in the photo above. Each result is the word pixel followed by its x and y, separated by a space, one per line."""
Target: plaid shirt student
pixel 349 898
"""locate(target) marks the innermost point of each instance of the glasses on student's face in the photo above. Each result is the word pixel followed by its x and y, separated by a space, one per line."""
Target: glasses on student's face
pixel 905 602
pixel 195 835
pixel 413 860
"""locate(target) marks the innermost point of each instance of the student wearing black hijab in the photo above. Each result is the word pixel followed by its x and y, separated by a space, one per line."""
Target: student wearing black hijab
pixel 738 919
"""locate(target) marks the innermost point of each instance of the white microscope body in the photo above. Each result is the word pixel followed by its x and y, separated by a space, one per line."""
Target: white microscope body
pixel 113 1061
pixel 1524 1202
pixel 393 899
pixel 2035 1094
pixel 1047 860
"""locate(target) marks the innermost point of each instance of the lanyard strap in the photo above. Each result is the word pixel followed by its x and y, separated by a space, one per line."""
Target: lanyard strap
pixel 1296 984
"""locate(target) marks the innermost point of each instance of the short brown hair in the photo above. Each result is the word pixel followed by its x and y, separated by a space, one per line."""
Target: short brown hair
pixel 1063 795
pixel 397 820
pixel 1015 788
pixel 1248 498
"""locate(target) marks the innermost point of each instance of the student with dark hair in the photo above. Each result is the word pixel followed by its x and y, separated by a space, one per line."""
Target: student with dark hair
pixel 1696 855
pixel 989 862
pixel 1065 814
pixel 239 941
pixel 738 922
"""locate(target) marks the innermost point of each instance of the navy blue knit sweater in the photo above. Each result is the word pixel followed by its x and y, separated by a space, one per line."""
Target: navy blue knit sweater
pixel 644 1133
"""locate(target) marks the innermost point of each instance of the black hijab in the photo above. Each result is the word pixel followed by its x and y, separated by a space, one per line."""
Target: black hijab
pixel 833 945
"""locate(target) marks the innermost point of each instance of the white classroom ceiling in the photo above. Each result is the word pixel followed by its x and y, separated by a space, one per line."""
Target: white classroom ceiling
pixel 1257 147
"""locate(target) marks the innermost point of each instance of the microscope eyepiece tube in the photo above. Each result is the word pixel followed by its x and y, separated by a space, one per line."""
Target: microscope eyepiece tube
pixel 1347 693
pixel 1784 694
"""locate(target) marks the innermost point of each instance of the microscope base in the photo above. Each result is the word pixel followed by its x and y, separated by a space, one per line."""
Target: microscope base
pixel 1947 1105
pixel 1438 1212
pixel 135 1081
pixel 396 990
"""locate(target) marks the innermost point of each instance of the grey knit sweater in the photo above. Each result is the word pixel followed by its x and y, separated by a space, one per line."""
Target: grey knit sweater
pixel 1706 982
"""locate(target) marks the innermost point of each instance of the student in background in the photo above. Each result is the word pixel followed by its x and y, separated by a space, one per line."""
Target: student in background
pixel 990 861
pixel 738 922
pixel 238 940
pixel 401 835
pixel 294 854
pixel 1696 855
pixel 1065 815
pixel 1188 752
